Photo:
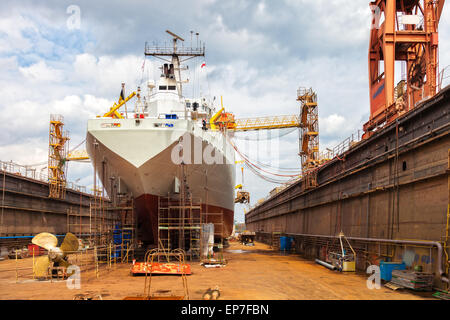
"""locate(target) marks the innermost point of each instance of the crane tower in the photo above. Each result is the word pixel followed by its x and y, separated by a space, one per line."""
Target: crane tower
pixel 309 137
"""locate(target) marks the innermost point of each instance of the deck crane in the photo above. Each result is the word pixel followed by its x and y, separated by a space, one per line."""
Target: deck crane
pixel 113 111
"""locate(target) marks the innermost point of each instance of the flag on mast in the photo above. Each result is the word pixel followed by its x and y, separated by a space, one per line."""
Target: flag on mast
pixel 203 65
pixel 122 93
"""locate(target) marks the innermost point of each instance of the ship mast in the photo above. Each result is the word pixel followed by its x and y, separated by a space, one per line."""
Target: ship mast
pixel 175 52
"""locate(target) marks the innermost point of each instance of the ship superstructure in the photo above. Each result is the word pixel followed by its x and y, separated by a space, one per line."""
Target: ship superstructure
pixel 162 144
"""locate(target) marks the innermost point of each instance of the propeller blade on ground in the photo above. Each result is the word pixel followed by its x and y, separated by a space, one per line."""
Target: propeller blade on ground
pixel 41 267
pixel 70 243
pixel 45 240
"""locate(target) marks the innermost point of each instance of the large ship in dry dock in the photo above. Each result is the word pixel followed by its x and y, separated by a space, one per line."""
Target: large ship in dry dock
pixel 389 191
pixel 139 154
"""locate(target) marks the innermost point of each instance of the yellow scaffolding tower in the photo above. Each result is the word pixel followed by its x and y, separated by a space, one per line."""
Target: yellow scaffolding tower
pixel 309 143
pixel 57 153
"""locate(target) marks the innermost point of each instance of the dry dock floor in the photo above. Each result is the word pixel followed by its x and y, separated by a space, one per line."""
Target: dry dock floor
pixel 251 273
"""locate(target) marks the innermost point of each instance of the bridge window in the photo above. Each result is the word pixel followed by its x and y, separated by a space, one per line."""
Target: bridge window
pixel 162 87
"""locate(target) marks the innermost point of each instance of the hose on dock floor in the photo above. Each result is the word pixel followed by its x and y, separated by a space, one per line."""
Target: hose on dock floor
pixel 323 263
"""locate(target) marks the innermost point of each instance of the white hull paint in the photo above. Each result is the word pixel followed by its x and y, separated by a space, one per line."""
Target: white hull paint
pixel 138 153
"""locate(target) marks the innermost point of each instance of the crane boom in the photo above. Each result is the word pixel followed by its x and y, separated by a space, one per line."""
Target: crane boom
pixel 77 155
pixel 113 111
pixel 222 120
pixel 264 123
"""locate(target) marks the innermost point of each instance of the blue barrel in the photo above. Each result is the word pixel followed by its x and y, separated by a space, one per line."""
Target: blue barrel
pixel 386 269
pixel 118 239
pixel 285 243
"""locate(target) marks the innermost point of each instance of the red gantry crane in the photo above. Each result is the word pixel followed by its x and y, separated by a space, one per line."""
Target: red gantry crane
pixel 408 33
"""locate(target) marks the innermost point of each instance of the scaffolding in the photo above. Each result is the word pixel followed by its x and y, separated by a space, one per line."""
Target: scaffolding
pixel 57 154
pixel 89 225
pixel 77 219
pixel 76 223
pixel 179 225
pixel 125 234
pixel 106 224
pixel 97 228
pixel 114 224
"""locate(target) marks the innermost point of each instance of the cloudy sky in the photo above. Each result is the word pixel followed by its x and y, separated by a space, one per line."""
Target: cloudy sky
pixel 257 54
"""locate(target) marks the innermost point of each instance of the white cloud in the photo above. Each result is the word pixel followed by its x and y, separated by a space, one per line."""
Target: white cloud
pixel 28 151
pixel 27 119
pixel 334 124
pixel 12 38
pixel 105 74
pixel 41 72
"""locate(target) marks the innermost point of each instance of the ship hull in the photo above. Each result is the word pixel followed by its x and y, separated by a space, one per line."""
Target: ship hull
pixel 147 217
pixel 140 160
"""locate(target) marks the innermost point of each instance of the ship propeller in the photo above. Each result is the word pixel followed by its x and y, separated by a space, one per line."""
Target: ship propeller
pixel 56 255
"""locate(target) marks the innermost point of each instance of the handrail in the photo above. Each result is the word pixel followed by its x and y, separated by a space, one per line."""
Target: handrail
pixel 32 173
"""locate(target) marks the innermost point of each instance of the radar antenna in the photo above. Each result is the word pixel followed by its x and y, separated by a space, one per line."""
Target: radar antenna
pixel 174 35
